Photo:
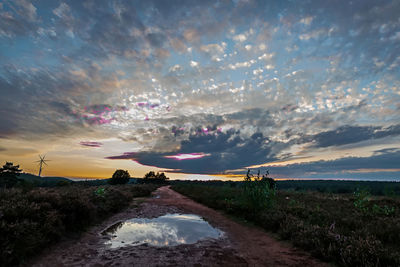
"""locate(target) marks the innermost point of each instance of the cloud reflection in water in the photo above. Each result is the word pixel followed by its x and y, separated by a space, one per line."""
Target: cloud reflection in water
pixel 166 230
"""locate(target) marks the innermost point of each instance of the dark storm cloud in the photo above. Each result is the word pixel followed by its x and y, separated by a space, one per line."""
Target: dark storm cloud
pixel 252 116
pixel 231 151
pixel 235 150
pixel 223 151
pixel 383 159
pixel 351 134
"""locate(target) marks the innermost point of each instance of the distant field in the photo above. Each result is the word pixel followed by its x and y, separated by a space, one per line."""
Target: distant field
pixel 62 181
pixel 350 229
pixel 334 186
pixel 323 186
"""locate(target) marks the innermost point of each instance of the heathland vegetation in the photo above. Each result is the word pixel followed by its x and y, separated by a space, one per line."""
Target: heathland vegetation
pixel 349 229
pixel 31 220
pixel 36 212
pixel 33 217
pixel 346 222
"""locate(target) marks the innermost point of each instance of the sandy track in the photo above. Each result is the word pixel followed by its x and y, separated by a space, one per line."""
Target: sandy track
pixel 241 245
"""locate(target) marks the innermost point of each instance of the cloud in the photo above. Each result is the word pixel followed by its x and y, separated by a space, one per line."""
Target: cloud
pixel 194 64
pixel 313 34
pixel 244 64
pixel 224 151
pixel 307 20
pixel 380 160
pixel 20 152
pixel 51 105
pixel 26 9
pixel 191 35
pixel 214 51
pixel 91 143
pixel 157 73
pixel 21 20
pixel 214 48
pixel 62 10
pixel 266 56
pixel 351 134
pixel 176 67
pixel 240 38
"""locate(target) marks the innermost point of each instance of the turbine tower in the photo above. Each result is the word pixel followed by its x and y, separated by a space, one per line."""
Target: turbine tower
pixel 41 162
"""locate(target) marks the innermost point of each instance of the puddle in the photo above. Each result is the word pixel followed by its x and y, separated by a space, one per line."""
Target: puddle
pixel 166 230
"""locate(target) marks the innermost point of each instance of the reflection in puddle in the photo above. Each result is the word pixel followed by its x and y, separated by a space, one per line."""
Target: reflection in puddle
pixel 167 230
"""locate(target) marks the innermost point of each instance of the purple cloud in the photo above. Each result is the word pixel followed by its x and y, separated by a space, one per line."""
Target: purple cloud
pixel 90 143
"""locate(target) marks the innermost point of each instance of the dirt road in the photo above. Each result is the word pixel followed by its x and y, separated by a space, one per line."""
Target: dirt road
pixel 241 245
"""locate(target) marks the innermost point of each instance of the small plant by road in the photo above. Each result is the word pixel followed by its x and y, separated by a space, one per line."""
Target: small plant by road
pixel 259 192
pixel 361 200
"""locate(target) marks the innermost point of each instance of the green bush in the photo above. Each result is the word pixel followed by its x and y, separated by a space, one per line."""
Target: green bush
pixel 362 198
pixel 258 193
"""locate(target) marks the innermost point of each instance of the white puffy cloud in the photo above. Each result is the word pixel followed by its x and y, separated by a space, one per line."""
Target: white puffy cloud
pixel 240 38
pixel 176 67
pixel 307 20
pixel 244 64
pixel 194 64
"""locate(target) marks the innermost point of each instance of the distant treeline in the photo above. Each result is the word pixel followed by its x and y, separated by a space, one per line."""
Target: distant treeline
pixel 30 180
pixel 323 186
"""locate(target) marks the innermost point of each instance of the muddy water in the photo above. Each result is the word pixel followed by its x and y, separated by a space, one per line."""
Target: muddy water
pixel 167 230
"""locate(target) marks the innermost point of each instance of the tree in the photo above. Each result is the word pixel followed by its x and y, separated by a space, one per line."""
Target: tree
pixel 162 176
pixel 8 175
pixel 119 177
pixel 152 177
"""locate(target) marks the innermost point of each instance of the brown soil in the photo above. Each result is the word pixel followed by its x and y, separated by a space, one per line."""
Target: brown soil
pixel 241 245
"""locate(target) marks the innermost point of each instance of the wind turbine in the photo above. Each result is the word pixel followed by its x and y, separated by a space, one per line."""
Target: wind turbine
pixel 41 162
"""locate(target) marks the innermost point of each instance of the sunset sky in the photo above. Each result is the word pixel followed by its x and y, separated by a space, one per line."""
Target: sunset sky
pixel 306 89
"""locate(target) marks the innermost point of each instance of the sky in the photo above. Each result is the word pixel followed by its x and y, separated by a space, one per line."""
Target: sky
pixel 201 89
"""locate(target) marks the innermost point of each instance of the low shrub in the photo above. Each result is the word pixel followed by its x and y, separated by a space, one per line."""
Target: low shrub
pixel 30 221
pixel 258 193
pixel 347 229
